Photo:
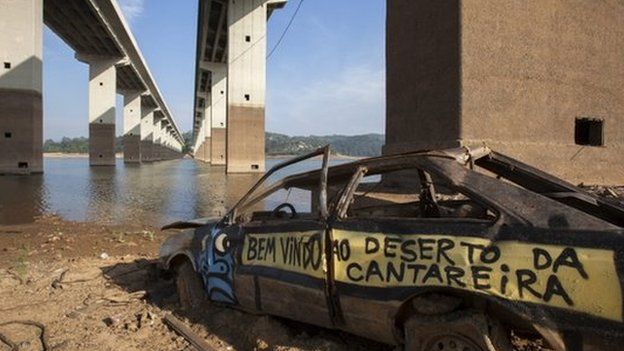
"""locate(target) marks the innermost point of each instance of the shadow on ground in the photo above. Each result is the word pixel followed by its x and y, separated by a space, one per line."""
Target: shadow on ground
pixel 224 327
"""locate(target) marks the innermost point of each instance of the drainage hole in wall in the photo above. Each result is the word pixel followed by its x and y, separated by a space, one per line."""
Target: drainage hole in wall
pixel 22 165
pixel 100 156
pixel 7 65
pixel 8 135
pixel 589 131
pixel 248 38
pixel 255 167
pixel 247 97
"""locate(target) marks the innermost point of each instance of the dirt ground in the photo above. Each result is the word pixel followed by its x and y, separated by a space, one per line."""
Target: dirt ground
pixel 95 287
pixel 84 286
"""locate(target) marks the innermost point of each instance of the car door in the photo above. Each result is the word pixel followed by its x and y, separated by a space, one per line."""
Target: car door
pixel 285 260
pixel 281 257
pixel 380 260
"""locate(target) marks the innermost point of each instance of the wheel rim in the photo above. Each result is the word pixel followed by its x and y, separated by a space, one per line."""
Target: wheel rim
pixel 452 343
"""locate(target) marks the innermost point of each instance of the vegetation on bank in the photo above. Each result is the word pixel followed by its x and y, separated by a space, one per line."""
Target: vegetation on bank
pixel 356 145
pixel 276 144
pixel 74 145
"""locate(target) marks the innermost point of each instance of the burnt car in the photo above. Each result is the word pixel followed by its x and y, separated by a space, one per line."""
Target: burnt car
pixel 436 250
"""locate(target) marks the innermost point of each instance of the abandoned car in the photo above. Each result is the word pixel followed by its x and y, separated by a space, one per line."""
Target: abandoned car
pixel 435 250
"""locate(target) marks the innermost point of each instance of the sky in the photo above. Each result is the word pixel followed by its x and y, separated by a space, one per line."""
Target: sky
pixel 326 77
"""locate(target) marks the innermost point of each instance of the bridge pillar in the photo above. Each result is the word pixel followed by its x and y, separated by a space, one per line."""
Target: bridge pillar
pixel 530 85
pixel 21 116
pixel 201 145
pixel 132 127
pixel 147 133
pixel 102 94
pixel 168 143
pixel 246 86
pixel 163 144
pixel 157 153
pixel 218 113
pixel 207 130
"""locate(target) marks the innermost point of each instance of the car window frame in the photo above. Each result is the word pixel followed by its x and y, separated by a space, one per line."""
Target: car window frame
pixel 346 200
pixel 247 201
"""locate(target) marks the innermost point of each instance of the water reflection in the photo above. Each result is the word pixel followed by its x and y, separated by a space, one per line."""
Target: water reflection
pixel 157 193
pixel 18 190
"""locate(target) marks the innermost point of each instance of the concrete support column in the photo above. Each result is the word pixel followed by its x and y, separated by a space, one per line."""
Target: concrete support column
pixel 132 127
pixel 246 86
pixel 21 116
pixel 207 122
pixel 147 134
pixel 156 140
pixel 168 143
pixel 102 93
pixel 158 137
pixel 218 122
pixel 199 142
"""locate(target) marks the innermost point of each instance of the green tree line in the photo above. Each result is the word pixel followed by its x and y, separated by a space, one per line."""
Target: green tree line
pixel 276 144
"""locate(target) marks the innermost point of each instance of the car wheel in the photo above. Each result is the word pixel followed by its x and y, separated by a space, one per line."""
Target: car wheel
pixel 189 285
pixel 456 331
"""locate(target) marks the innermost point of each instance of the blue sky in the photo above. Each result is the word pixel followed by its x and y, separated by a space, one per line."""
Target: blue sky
pixel 326 77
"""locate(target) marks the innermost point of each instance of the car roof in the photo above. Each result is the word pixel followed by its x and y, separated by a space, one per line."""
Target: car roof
pixel 452 165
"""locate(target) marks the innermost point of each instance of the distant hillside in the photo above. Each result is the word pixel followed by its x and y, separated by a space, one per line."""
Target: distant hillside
pixel 276 144
pixel 357 145
pixel 74 145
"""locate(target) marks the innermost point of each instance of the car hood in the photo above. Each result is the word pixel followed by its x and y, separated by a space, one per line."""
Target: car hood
pixel 193 223
pixel 188 242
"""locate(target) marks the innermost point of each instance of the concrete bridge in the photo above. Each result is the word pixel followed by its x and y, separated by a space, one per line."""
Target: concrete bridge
pixel 228 125
pixel 100 37
pixel 543 85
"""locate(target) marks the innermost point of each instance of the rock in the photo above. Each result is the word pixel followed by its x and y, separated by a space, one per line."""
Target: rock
pixel 261 345
pixel 104 256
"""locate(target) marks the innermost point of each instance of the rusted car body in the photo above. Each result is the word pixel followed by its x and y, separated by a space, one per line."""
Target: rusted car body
pixel 478 240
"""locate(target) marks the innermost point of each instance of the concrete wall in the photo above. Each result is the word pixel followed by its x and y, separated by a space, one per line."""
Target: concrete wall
pixel 21 115
pixel 526 77
pixel 514 74
pixel 246 85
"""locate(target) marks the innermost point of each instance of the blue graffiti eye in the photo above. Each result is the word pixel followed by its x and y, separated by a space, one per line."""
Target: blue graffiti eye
pixel 221 243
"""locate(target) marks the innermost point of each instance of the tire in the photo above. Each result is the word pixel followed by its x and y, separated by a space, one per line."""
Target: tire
pixel 190 287
pixel 457 331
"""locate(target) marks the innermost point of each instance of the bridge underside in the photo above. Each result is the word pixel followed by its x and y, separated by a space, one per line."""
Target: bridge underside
pixel 97 32
pixel 231 82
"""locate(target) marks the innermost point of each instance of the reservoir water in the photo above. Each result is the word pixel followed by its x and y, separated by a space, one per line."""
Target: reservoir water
pixel 156 193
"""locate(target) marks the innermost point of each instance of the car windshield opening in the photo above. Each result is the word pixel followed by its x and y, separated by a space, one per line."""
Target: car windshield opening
pixel 277 198
pixel 412 193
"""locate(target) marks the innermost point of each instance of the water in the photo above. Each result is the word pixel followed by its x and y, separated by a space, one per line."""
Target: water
pixel 155 194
